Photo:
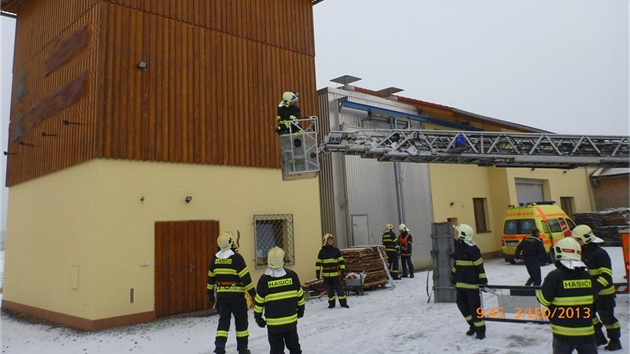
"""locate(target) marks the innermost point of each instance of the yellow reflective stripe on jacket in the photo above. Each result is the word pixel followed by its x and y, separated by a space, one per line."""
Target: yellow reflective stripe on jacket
pixel 541 298
pixel 280 296
pixel 605 270
pixel 573 331
pixel 607 291
pixel 603 281
pixel 478 262
pixel 231 289
pixel 300 295
pixel 209 286
pixel 463 263
pixel 573 300
pixel 225 271
pixel 466 286
pixel 243 272
pixel 281 320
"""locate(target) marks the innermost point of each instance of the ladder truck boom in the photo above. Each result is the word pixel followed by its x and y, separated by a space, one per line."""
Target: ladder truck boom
pixel 500 149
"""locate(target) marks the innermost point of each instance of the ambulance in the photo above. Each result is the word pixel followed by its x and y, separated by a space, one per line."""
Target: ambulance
pixel 519 221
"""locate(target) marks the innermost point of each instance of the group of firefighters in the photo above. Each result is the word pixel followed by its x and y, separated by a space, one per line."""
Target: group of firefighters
pixel 579 294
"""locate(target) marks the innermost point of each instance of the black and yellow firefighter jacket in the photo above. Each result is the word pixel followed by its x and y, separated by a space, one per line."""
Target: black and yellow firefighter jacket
pixel 329 262
pixel 568 295
pixel 531 247
pixel 599 266
pixel 390 242
pixel 467 271
pixel 286 114
pixel 228 273
pixel 281 298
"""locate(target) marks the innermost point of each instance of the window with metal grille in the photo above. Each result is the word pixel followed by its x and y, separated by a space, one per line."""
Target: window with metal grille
pixel 270 231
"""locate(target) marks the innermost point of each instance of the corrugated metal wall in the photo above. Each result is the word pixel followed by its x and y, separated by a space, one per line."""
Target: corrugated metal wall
pixel 368 187
pixel 215 73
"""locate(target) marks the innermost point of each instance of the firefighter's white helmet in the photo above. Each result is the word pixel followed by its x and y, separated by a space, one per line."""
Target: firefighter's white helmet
pixel 389 227
pixel 569 252
pixel 224 240
pixel 585 234
pixel 465 232
pixel 275 258
pixel 326 237
pixel 402 227
pixel 289 97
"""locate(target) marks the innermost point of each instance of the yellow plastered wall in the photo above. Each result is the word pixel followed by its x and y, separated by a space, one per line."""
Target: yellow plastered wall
pixel 459 184
pixel 80 238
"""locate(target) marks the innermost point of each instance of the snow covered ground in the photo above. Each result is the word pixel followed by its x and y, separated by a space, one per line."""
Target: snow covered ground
pixel 397 320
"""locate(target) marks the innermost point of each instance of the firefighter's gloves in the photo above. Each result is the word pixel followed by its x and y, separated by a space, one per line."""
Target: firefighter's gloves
pixel 211 297
pixel 300 312
pixel 260 321
pixel 317 275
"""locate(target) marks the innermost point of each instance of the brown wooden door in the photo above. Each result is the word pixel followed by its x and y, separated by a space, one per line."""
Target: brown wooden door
pixel 183 250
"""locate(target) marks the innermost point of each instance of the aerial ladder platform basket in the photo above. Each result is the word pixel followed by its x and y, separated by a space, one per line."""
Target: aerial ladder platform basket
pixel 299 152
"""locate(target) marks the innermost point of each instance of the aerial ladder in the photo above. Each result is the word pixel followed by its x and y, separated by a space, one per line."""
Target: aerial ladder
pixel 482 148
pixel 300 151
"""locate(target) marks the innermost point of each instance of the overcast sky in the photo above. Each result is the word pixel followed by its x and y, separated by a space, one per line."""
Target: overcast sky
pixel 557 65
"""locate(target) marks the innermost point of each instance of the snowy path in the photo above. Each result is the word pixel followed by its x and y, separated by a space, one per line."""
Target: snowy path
pixel 383 321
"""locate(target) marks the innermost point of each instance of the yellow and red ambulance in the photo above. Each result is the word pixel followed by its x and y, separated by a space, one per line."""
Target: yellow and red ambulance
pixel 519 221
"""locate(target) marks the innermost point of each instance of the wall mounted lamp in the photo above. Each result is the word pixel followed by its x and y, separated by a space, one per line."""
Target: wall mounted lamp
pixel 6 153
pixel 67 122
pixel 142 64
pixel 188 199
pixel 44 134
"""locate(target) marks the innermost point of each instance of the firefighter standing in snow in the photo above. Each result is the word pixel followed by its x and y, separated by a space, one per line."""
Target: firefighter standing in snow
pixel 567 292
pixel 390 242
pixel 405 240
pixel 599 266
pixel 228 274
pixel 279 293
pixel 330 266
pixel 467 273
pixel 533 251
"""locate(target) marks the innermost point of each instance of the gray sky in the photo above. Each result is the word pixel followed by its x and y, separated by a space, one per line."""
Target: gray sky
pixel 558 65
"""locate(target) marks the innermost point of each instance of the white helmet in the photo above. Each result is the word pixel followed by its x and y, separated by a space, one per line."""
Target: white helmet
pixel 402 227
pixel 224 240
pixel 569 252
pixel 465 232
pixel 389 227
pixel 289 97
pixel 585 234
pixel 275 258
pixel 326 237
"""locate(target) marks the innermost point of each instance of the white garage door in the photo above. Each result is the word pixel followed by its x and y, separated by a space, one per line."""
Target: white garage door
pixel 529 190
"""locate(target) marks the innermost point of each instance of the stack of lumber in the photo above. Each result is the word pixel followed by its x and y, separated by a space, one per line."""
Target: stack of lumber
pixel 368 260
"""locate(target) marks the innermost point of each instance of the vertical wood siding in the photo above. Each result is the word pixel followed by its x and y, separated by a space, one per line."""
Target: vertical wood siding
pixel 216 71
pixel 72 144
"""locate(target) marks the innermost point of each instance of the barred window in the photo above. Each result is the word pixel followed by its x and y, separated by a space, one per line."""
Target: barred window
pixel 270 231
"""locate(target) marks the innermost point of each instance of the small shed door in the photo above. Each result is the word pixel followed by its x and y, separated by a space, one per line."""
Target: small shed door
pixel 183 250
pixel 360 236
